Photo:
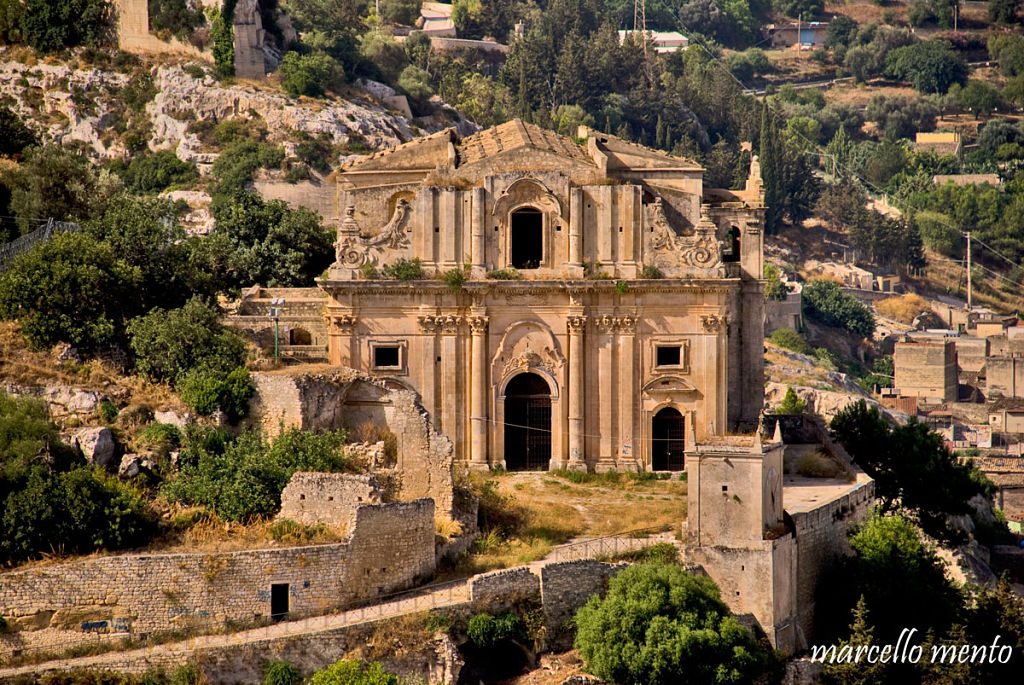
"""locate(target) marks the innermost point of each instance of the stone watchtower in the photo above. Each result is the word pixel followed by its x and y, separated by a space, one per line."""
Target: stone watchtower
pixel 737 530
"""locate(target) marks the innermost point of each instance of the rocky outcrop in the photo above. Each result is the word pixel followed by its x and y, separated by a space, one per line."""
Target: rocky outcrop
pixel 182 98
pixel 96 445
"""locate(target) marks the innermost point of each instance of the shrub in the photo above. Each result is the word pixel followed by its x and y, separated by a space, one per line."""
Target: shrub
pixel 485 630
pixel 186 674
pixel 455 278
pixel 774 288
pixel 169 344
pixel 158 171
pixel 651 272
pixel 281 672
pixel 222 35
pixel 162 438
pixel 509 274
pixel 351 672
pixel 51 26
pixel 789 339
pixel 243 478
pixel 404 270
pixel 930 66
pixel 206 390
pixel 660 624
pixel 311 75
pixel 14 135
pixel 236 165
pixel 108 411
pixel 178 18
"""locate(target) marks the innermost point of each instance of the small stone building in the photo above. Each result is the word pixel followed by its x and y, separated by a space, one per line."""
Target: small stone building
pixel 926 369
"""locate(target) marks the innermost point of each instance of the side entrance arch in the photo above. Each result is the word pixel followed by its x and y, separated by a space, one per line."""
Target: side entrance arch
pixel 527 423
pixel 667 440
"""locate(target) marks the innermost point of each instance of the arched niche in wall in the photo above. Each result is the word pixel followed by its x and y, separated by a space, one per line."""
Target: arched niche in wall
pixel 526 213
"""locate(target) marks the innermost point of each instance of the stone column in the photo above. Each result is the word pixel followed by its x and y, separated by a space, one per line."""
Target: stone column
pixel 429 327
pixel 606 326
pixel 478 391
pixel 627 394
pixel 339 344
pixel 477 245
pixel 577 324
pixel 450 325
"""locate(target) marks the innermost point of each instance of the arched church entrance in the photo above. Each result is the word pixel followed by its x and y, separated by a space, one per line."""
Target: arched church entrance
pixel 667 440
pixel 527 423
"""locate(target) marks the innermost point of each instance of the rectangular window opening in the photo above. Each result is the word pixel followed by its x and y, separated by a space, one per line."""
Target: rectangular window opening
pixel 669 355
pixel 387 357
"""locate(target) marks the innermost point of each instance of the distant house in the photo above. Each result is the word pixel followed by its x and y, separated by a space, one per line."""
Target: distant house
pixel 939 142
pixel 436 20
pixel 926 369
pixel 967 179
pixel 1007 416
pixel 663 41
pixel 810 34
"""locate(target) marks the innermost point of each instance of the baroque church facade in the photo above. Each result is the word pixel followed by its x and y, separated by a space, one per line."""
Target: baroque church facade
pixel 608 301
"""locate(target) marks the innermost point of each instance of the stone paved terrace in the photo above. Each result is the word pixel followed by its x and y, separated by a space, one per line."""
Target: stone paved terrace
pixel 801 494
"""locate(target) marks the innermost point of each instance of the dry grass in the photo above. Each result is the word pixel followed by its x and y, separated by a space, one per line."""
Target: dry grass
pixel 903 308
pixel 818 465
pixel 195 530
pixel 21 366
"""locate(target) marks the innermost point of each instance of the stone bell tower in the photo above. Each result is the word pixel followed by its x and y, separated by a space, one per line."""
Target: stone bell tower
pixel 737 530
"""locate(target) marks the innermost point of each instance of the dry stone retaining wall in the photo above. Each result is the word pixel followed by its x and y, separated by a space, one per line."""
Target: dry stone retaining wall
pixel 329 498
pixel 56 606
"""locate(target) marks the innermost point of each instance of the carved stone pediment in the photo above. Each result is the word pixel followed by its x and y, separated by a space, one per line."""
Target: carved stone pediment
pixel 668 385
pixel 352 250
pixel 527 345
pixel 526 191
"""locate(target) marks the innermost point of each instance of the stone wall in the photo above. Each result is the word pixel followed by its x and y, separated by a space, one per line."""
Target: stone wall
pixel 565 587
pixel 342 398
pixel 318 195
pixel 329 498
pixel 390 547
pixel 786 313
pixel 821 538
pixel 520 582
pixel 1004 376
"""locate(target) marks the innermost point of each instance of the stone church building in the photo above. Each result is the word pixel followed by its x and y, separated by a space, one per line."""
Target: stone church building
pixel 582 301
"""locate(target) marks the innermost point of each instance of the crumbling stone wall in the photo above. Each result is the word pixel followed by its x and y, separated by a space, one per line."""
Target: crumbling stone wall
pixel 391 547
pixel 328 498
pixel 342 398
pixel 565 587
pixel 519 583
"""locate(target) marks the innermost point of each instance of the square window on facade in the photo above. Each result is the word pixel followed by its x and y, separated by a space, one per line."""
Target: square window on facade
pixel 668 355
pixel 387 357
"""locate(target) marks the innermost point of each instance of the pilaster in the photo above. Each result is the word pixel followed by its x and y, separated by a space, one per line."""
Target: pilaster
pixel 478 323
pixel 576 323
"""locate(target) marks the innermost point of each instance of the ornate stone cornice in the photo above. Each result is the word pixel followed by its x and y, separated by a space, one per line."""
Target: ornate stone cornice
pixel 447 324
pixel 608 323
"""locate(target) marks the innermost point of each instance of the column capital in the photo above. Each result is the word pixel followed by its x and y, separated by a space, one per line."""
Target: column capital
pixel 712 323
pixel 576 323
pixel 478 323
pixel 341 324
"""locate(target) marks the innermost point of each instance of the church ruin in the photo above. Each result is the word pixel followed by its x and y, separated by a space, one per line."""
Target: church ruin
pixel 606 296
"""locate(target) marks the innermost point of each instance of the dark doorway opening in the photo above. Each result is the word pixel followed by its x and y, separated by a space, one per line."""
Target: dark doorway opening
pixel 527 423
pixel 667 440
pixel 278 601
pixel 527 238
pixel 299 336
pixel 733 252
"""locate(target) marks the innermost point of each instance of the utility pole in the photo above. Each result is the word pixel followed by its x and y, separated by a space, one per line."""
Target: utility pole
pixel 640 21
pixel 968 272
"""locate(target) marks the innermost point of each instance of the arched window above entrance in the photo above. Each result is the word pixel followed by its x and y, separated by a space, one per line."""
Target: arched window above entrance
pixel 526 238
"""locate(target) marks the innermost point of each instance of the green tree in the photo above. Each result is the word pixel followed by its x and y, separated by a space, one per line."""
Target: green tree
pixel 911 466
pixel 1004 11
pixel 416 82
pixel 827 303
pixel 222 35
pixel 152 173
pixel 71 289
pixel 978 97
pixel 50 26
pixel 400 11
pixel 14 135
pixel 791 403
pixel 861 672
pixel 660 624
pixel 178 18
pixel 805 9
pixel 269 243
pixel 351 672
pixel 52 182
pixel 930 66
pixel 771 171
pixel 207 389
pixel 169 344
pixel 385 55
pixel 313 74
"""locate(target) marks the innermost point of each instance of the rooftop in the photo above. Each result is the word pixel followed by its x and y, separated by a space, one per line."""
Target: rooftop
pixel 801 494
pixel 513 135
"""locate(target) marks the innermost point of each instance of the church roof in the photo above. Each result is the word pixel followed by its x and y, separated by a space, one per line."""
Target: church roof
pixel 424 153
pixel 623 154
pixel 514 135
